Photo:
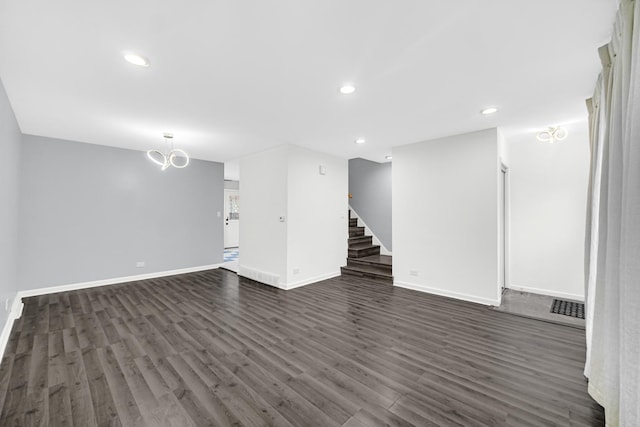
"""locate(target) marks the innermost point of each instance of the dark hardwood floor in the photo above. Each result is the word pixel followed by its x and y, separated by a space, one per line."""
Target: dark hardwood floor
pixel 207 349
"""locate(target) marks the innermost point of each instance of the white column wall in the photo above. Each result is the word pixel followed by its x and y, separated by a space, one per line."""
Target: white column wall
pixel 317 205
pixel 445 216
pixel 311 243
pixel 263 238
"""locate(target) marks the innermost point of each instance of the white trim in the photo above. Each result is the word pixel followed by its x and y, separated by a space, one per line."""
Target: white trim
pixel 575 297
pixel 113 281
pixel 17 305
pixel 311 280
pixel 506 239
pixel 264 277
pixel 368 232
pixel 450 294
pixel 14 313
pixel 288 287
pixel 6 331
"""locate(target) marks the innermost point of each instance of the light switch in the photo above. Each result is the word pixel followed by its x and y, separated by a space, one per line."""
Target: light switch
pixel 323 170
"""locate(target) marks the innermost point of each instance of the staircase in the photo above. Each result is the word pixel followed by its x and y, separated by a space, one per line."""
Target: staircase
pixel 364 259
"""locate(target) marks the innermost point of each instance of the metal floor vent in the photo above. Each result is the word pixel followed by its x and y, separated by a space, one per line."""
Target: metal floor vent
pixel 568 308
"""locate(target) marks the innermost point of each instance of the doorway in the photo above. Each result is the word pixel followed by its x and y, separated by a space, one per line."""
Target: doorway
pixel 231 218
pixel 231 229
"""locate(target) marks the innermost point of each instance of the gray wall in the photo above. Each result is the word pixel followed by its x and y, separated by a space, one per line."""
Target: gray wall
pixel 90 212
pixel 370 186
pixel 10 139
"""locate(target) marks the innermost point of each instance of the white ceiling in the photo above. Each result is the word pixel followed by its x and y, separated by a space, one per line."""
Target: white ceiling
pixel 229 78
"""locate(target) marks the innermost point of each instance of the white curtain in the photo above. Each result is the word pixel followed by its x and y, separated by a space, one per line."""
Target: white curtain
pixel 613 226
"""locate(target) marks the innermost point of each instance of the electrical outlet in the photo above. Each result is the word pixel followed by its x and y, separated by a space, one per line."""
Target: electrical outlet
pixel 6 304
pixel 139 264
pixel 413 272
pixel 296 271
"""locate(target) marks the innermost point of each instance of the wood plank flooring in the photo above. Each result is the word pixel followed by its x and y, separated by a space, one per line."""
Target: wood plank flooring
pixel 209 349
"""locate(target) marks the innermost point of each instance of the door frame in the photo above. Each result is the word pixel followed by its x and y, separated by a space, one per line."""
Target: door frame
pixel 226 219
pixel 504 223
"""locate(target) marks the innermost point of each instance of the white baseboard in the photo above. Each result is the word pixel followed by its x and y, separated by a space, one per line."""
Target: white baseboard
pixel 16 307
pixel 304 282
pixel 4 336
pixel 556 294
pixel 14 313
pixel 248 273
pixel 450 294
pixel 368 232
pixel 261 276
pixel 113 281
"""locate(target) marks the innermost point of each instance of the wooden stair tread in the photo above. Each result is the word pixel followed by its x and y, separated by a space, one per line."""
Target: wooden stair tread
pixel 378 259
pixel 367 275
pixel 371 266
pixel 356 231
pixel 363 246
pixel 364 269
pixel 355 238
pixel 363 251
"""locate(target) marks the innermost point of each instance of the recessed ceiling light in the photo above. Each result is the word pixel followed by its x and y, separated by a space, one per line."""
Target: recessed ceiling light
pixel 360 141
pixel 136 59
pixel 489 110
pixel 347 89
pixel 388 157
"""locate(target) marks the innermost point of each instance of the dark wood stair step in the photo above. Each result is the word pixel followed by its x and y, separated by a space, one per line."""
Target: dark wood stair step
pixel 356 231
pixel 362 250
pixel 378 263
pixel 367 273
pixel 358 240
pixel 353 222
pixel 379 259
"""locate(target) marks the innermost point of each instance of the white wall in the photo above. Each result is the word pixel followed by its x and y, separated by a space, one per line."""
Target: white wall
pixel 317 209
pixel 548 208
pixel 311 244
pixel 10 144
pixel 503 149
pixel 263 238
pixel 445 216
